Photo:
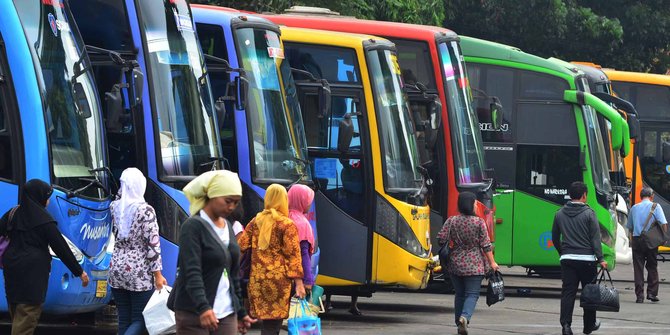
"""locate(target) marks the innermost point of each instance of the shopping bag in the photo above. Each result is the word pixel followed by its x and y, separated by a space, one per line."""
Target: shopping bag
pixel 600 297
pixel 302 321
pixel 158 319
pixel 495 292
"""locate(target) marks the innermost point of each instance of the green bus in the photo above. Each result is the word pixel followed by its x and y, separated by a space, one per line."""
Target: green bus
pixel 547 136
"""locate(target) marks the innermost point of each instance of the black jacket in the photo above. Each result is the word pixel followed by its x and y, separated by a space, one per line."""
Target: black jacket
pixel 201 262
pixel 27 262
pixel 576 231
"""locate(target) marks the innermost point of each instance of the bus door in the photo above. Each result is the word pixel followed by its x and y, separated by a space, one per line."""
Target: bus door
pixel 9 137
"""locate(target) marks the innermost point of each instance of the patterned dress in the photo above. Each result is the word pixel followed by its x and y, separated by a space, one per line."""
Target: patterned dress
pixel 469 239
pixel 136 257
pixel 272 269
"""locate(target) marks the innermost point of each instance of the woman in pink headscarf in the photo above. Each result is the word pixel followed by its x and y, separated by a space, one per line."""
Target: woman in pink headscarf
pixel 300 199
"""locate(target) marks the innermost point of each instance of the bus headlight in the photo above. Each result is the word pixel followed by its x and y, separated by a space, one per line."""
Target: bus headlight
pixel 78 255
pixel 606 237
pixel 394 227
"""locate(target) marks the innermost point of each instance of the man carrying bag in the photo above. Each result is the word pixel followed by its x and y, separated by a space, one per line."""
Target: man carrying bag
pixel 645 216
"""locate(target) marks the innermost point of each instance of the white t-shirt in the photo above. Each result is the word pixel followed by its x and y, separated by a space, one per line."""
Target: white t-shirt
pixel 237 227
pixel 223 304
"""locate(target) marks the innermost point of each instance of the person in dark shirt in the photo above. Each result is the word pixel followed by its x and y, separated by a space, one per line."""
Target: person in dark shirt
pixel 27 262
pixel 576 236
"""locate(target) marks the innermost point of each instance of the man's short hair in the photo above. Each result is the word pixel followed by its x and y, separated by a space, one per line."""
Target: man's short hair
pixel 646 192
pixel 577 190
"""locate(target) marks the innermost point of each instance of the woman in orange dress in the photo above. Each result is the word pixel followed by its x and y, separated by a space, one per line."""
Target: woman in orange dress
pixel 275 261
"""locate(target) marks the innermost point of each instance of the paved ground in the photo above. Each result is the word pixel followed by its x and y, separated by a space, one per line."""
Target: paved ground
pixel 391 313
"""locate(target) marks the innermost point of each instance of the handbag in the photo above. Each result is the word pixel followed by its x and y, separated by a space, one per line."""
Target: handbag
pixel 302 321
pixel 495 292
pixel 653 237
pixel 599 296
pixel 4 239
pixel 158 319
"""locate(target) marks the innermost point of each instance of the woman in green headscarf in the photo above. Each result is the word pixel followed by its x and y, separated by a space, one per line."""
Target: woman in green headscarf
pixel 207 297
pixel 275 261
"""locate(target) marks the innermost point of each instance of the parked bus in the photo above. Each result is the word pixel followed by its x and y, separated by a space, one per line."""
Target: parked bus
pixel 435 80
pixel 51 129
pixel 550 136
pixel 264 140
pixel 168 130
pixel 650 94
pixel 371 212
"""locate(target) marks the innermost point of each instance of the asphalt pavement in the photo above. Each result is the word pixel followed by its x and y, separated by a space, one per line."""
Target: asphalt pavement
pixel 531 307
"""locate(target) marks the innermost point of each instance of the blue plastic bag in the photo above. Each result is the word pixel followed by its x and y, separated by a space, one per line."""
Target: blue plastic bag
pixel 306 324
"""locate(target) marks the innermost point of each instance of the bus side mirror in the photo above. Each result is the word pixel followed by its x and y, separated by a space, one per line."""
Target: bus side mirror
pixel 220 111
pixel 240 93
pixel 435 114
pixel 665 147
pixel 496 109
pixel 345 133
pixel 81 100
pixel 138 86
pixel 114 103
pixel 325 98
pixel 633 126
pixel 582 159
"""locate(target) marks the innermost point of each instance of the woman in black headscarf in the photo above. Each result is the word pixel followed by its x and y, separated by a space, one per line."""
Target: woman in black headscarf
pixel 27 262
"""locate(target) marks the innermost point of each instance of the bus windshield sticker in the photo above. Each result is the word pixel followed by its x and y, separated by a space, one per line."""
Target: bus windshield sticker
pixel 275 52
pixel 325 168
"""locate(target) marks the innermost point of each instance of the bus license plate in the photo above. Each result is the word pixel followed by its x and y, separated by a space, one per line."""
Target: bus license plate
pixel 101 289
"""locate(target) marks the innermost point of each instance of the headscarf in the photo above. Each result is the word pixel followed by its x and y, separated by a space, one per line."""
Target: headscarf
pixel 211 184
pixel 32 206
pixel 466 203
pixel 131 195
pixel 300 198
pixel 276 210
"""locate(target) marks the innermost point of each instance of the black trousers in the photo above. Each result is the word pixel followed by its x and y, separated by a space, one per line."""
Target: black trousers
pixel 573 273
pixel 645 258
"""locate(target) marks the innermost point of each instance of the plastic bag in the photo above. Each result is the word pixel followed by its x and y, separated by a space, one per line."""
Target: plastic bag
pixel 495 292
pixel 158 319
pixel 302 321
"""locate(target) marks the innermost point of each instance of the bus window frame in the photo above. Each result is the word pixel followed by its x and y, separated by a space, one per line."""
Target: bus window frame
pixel 10 107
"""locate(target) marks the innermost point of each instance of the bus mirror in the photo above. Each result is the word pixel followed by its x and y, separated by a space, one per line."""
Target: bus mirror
pixel 324 99
pixel 436 114
pixel 81 100
pixel 240 93
pixel 345 133
pixel 582 159
pixel 496 109
pixel 633 126
pixel 138 86
pixel 665 147
pixel 220 111
pixel 114 103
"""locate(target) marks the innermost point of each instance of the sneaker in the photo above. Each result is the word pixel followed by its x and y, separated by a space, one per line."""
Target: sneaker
pixel 462 326
pixel 592 328
pixel 653 298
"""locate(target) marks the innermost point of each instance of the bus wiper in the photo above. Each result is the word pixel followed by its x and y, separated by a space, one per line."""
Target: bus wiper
pixel 291 164
pixel 213 160
pixel 109 173
pixel 426 182
pixel 91 183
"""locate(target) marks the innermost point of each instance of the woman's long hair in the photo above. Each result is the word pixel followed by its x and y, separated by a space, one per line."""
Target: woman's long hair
pixel 466 203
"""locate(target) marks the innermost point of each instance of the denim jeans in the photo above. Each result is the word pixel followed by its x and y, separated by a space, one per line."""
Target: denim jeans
pixel 129 306
pixel 466 296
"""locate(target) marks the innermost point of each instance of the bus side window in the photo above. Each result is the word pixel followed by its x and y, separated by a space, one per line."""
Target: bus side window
pixel 6 159
pixel 497 82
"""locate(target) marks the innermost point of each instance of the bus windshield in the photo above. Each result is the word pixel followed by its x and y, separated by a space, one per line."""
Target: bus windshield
pixel 179 87
pixel 599 165
pixel 272 128
pixel 68 91
pixel 398 143
pixel 465 135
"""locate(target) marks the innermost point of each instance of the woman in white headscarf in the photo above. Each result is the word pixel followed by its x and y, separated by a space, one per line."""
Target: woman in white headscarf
pixel 135 270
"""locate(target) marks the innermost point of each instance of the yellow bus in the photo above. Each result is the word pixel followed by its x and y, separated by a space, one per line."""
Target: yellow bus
pixel 371 202
pixel 650 94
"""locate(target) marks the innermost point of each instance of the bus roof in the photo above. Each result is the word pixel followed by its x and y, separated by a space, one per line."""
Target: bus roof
pixel 638 77
pixel 325 37
pixel 218 8
pixel 225 15
pixel 593 71
pixel 319 18
pixel 474 47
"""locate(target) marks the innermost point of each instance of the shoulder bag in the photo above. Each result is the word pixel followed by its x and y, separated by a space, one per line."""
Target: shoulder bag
pixel 653 237
pixel 4 240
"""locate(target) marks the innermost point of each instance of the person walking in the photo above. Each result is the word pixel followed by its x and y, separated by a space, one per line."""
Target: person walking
pixel 27 261
pixel 644 257
pixel 300 199
pixel 207 297
pixel 469 259
pixel 275 261
pixel 135 269
pixel 576 236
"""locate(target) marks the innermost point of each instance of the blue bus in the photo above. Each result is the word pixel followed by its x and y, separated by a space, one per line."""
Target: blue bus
pixel 167 130
pixel 51 129
pixel 263 136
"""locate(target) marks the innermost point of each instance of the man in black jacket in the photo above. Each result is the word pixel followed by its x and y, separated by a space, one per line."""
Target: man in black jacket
pixel 576 236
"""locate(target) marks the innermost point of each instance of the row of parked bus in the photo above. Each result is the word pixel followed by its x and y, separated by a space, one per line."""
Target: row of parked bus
pixel 384 120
